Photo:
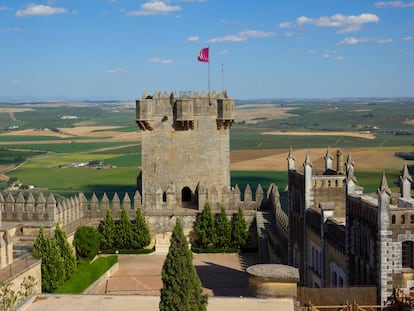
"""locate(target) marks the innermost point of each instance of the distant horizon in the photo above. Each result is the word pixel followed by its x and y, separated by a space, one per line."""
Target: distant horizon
pixel 112 49
pixel 45 99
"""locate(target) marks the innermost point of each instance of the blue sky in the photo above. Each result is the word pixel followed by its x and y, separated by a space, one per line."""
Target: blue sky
pixel 116 49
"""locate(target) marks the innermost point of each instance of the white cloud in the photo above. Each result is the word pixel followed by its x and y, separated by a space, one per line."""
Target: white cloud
pixel 39 10
pixel 312 51
pixel 286 25
pixel 407 38
pixel 155 7
pixel 15 81
pixel 3 8
pixel 350 23
pixel 394 4
pixel 115 70
pixel 339 58
pixel 229 38
pixel 353 41
pixel 160 61
pixel 13 29
pixel 242 36
pixel 326 55
pixel 223 52
pixel 192 0
pixel 289 34
pixel 256 34
pixel 193 38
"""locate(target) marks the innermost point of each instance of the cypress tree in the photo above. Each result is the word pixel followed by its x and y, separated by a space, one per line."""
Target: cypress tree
pixel 123 230
pixel 223 229
pixel 206 228
pixel 53 271
pixel 182 290
pixel 107 231
pixel 39 244
pixel 240 233
pixel 66 251
pixel 140 234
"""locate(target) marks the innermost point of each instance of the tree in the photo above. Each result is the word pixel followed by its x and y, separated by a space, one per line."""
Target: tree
pixel 123 230
pixel 240 233
pixel 223 229
pixel 206 228
pixel 107 231
pixel 86 242
pixel 181 289
pixel 53 270
pixel 66 251
pixel 140 234
pixel 39 244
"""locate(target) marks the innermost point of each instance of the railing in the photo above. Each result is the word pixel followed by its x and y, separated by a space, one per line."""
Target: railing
pixel 347 307
pixel 16 267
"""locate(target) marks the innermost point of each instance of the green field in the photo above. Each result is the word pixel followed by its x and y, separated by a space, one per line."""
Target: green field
pixel 122 160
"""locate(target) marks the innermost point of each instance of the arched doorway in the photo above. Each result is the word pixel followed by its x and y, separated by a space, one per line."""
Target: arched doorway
pixel 186 195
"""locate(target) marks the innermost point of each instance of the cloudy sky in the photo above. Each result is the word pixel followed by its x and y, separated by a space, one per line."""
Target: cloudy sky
pixel 116 49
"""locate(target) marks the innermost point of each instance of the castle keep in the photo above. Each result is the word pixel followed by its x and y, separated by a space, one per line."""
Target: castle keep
pixel 185 149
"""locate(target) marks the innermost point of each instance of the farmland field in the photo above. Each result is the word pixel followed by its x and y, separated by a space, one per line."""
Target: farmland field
pixel 52 135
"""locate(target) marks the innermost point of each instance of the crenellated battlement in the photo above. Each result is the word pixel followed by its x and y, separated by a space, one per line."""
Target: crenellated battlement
pixel 183 110
pixel 46 210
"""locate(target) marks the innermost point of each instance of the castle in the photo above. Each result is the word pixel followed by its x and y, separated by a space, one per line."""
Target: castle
pixel 340 236
pixel 334 233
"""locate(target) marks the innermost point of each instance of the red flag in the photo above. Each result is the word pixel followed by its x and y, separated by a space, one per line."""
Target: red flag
pixel 203 55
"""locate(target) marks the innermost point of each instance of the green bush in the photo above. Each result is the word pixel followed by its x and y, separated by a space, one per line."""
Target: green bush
pixel 86 242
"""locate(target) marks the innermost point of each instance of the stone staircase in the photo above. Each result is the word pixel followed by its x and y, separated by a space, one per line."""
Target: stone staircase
pixel 266 232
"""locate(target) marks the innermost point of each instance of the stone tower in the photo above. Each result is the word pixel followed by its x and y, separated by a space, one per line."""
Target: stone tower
pixel 185 148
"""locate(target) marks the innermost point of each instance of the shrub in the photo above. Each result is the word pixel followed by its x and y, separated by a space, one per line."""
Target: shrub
pixel 140 234
pixel 240 233
pixel 66 251
pixel 86 242
pixel 206 228
pixel 223 229
pixel 107 231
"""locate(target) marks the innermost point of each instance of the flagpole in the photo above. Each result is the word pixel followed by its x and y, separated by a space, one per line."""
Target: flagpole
pixel 209 75
pixel 222 78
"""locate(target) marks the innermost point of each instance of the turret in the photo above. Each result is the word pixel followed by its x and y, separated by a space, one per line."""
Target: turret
pixel 144 112
pixel 384 195
pixel 184 113
pixel 350 176
pixel 225 111
pixel 405 183
pixel 307 165
pixel 328 160
pixel 291 160
pixel 339 162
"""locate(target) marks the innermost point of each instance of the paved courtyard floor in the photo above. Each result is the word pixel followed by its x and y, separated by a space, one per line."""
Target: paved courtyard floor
pixel 137 283
pixel 220 274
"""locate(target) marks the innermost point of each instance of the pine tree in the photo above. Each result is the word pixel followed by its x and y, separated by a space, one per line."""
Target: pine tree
pixel 240 233
pixel 123 230
pixel 66 251
pixel 182 290
pixel 223 229
pixel 107 231
pixel 39 244
pixel 140 234
pixel 206 228
pixel 52 267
